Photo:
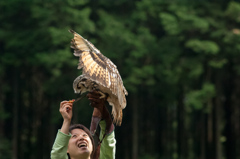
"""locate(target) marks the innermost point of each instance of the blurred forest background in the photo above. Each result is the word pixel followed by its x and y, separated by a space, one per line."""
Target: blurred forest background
pixel 179 60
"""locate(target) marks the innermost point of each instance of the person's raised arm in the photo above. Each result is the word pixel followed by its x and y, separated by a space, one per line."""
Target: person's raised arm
pixel 60 146
pixel 108 147
pixel 66 112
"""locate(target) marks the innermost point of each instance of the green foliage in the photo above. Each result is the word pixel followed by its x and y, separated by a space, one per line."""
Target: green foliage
pixel 233 10
pixel 218 63
pixel 203 46
pixel 197 99
pixel 5 148
pixel 170 23
pixel 191 21
pixel 4 115
pixel 196 69
pixel 141 76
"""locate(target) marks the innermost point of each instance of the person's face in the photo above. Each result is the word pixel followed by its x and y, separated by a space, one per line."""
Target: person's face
pixel 80 144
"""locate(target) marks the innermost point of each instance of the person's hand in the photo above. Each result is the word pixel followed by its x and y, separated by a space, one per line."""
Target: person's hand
pixel 66 110
pixel 96 102
pixel 100 112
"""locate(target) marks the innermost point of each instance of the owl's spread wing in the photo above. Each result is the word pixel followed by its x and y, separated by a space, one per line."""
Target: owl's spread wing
pixel 97 67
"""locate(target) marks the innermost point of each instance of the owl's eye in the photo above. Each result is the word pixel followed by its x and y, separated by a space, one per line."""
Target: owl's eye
pixel 79 86
pixel 84 79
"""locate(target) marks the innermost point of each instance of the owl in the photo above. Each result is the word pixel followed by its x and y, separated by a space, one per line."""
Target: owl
pixel 98 73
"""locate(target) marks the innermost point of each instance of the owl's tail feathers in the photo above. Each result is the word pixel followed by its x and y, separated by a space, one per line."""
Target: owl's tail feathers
pixel 119 121
pixel 117 116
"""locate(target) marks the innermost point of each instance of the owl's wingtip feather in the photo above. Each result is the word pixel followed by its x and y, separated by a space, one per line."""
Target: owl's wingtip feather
pixel 71 31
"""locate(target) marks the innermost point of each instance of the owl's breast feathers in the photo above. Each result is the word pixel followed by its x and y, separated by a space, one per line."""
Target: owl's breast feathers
pixel 100 69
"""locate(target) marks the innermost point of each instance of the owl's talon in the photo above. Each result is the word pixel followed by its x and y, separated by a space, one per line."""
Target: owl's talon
pixel 102 95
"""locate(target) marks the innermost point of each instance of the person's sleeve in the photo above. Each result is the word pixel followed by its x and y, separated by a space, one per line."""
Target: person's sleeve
pixel 108 146
pixel 60 146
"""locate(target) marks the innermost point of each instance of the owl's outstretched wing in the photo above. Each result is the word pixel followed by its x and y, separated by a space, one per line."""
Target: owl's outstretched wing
pixel 98 68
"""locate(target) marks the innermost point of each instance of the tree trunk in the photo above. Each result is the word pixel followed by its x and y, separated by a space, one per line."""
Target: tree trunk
pixel 209 137
pixel 15 115
pixel 229 113
pixel 217 130
pixel 236 115
pixel 202 136
pixel 181 133
pixel 135 128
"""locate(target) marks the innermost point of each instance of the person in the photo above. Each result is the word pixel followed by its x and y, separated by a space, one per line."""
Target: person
pixel 76 141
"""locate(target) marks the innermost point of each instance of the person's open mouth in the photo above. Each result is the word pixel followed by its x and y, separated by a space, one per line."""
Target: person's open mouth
pixel 82 145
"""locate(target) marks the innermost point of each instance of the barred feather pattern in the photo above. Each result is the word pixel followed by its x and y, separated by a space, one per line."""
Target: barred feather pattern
pixel 98 68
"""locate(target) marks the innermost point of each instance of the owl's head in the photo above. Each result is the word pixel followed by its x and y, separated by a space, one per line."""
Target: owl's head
pixel 80 84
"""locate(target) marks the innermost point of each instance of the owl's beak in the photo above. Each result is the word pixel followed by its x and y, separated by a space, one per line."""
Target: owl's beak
pixel 77 92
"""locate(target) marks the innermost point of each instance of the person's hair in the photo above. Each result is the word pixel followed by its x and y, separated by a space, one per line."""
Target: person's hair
pixel 80 126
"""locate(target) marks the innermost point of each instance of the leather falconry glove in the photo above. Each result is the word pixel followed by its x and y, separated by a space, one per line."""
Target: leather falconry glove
pixel 100 112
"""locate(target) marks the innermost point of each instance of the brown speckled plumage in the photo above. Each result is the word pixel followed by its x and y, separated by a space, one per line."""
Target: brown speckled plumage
pixel 98 69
